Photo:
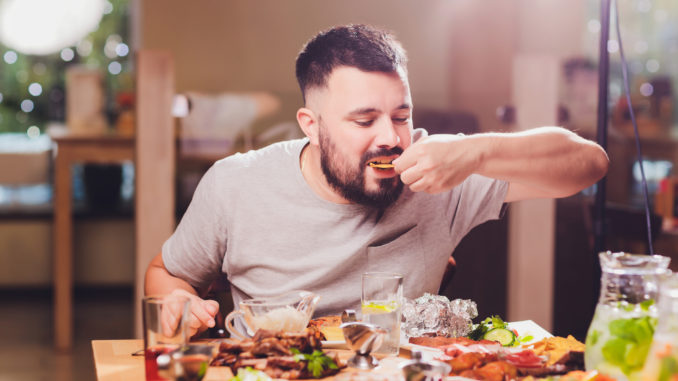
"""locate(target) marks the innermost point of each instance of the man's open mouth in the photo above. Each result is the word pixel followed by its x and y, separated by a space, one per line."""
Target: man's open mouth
pixel 381 164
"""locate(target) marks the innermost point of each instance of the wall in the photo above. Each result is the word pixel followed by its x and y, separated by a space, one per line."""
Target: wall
pixel 240 45
pixel 460 51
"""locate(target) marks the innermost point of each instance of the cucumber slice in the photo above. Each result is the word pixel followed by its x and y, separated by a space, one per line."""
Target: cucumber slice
pixel 504 336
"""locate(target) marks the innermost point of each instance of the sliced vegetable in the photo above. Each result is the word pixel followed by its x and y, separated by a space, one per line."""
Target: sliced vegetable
pixel 504 336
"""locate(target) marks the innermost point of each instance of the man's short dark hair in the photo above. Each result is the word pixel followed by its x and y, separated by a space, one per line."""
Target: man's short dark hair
pixel 361 46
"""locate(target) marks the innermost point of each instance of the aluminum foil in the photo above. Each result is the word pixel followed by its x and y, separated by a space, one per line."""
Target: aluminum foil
pixel 435 315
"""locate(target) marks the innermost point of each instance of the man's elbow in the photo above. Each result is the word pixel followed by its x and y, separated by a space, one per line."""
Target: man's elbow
pixel 150 278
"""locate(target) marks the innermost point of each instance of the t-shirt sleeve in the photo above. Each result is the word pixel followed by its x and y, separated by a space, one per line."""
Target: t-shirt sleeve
pixel 195 252
pixel 480 199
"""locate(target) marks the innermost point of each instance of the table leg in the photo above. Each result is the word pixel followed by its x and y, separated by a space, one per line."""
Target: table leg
pixel 63 255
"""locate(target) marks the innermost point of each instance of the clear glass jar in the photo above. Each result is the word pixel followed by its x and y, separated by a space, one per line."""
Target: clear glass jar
pixel 662 361
pixel 624 322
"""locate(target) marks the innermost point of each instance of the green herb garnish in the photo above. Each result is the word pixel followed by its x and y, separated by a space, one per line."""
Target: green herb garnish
pixel 645 305
pixel 629 343
pixel 316 362
pixel 593 337
pixel 494 322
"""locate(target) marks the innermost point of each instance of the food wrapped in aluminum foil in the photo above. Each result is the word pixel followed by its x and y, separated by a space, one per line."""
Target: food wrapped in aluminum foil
pixel 435 315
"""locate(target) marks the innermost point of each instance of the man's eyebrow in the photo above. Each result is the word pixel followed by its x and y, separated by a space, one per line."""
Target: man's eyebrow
pixel 362 111
pixel 370 110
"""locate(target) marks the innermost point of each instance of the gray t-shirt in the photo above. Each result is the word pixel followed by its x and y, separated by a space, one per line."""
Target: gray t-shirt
pixel 254 218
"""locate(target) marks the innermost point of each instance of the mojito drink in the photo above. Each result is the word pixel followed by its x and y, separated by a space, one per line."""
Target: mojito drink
pixel 619 339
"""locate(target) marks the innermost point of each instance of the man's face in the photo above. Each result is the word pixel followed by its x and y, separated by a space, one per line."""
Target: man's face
pixel 364 117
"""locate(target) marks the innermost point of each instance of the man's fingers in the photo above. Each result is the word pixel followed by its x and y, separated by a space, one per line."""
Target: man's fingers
pixel 405 161
pixel 200 311
pixel 169 321
pixel 411 175
pixel 418 186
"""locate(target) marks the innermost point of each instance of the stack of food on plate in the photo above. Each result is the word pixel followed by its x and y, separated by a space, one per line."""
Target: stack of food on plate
pixel 279 355
pixel 491 350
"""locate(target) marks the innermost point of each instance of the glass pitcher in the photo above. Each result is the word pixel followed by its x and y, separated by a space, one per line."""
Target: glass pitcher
pixel 624 322
pixel 662 361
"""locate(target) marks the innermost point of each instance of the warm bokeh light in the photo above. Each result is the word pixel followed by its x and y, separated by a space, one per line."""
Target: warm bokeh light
pixel 27 105
pixel 33 132
pixel 35 89
pixel 108 8
pixel 646 89
pixel 652 65
pixel 67 54
pixel 84 48
pixel 122 49
pixel 612 46
pixel 114 68
pixel 10 57
pixel 46 26
pixel 111 46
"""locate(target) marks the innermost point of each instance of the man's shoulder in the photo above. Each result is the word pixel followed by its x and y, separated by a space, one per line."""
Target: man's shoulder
pixel 266 158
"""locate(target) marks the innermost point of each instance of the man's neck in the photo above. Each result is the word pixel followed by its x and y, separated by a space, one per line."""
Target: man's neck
pixel 309 162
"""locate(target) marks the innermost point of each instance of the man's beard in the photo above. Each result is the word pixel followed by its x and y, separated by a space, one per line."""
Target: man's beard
pixel 350 183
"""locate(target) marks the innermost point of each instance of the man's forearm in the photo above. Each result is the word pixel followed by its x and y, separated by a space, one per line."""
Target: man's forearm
pixel 159 281
pixel 543 162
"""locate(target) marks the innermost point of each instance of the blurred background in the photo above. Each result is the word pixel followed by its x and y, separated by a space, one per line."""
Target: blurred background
pixel 68 67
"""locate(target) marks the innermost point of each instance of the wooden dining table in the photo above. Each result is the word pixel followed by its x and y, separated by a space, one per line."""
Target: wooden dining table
pixel 75 148
pixel 120 360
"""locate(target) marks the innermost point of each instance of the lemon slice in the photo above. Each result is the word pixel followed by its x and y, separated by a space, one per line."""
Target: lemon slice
pixel 379 307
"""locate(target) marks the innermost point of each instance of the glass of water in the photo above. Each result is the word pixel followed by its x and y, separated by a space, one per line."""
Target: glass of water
pixel 381 305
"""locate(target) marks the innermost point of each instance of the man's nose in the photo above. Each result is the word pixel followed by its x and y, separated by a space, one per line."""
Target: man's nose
pixel 386 135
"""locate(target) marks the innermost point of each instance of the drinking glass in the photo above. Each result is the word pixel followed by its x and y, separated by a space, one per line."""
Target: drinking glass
pixel 662 361
pixel 165 321
pixel 381 304
pixel 623 324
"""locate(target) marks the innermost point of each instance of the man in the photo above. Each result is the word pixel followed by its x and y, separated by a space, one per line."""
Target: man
pixel 316 213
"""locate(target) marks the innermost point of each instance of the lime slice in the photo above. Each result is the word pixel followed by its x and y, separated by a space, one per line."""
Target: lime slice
pixel 379 307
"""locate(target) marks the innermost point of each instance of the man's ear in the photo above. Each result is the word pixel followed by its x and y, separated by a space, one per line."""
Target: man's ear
pixel 309 124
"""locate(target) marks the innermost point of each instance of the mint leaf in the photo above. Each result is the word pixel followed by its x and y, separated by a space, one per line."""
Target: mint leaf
pixel 614 351
pixel 593 337
pixel 645 305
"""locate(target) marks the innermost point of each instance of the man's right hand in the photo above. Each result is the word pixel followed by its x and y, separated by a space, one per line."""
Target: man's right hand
pixel 202 312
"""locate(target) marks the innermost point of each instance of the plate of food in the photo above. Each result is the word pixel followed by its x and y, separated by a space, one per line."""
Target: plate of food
pixel 279 355
pixel 506 351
